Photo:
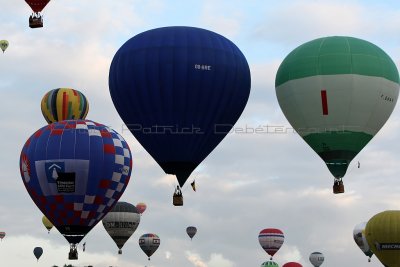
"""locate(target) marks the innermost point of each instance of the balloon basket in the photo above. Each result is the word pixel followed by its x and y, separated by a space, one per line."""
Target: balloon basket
pixel 73 252
pixel 338 187
pixel 177 200
pixel 119 251
pixel 35 22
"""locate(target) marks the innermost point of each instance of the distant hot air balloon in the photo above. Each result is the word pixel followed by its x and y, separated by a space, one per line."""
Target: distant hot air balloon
pixel 36 20
pixel 3 45
pixel 269 264
pixel 141 207
pixel 292 264
pixel 383 236
pixel 361 240
pixel 149 243
pixel 121 222
pixel 191 231
pixel 75 171
pixel 64 104
pixel 271 240
pixel 316 259
pixel 337 93
pixel 179 90
pixel 2 235
pixel 47 223
pixel 37 251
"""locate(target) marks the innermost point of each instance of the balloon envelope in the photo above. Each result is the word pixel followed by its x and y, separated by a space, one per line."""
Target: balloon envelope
pixel 337 92
pixel 4 45
pixel 37 251
pixel 141 207
pixel 121 222
pixel 75 172
pixel 47 223
pixel 149 243
pixel 191 231
pixel 316 259
pixel 292 264
pixel 361 240
pixel 383 236
pixel 37 5
pixel 64 104
pixel 271 240
pixel 179 90
pixel 269 264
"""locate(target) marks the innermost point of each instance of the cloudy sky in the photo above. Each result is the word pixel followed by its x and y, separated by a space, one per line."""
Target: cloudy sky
pixel 248 183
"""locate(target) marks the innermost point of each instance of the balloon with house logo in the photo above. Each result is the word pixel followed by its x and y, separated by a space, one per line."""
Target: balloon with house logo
pixel 337 92
pixel 75 171
pixel 121 222
pixel 383 235
pixel 64 104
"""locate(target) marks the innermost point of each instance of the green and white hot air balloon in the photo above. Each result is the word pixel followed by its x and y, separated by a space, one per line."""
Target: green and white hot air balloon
pixel 3 45
pixel 269 264
pixel 337 92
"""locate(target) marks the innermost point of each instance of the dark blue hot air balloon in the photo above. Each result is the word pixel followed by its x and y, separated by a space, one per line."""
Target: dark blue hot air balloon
pixel 37 251
pixel 179 90
pixel 75 171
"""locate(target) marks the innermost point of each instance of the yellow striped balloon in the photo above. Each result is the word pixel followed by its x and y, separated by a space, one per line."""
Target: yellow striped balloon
pixel 64 104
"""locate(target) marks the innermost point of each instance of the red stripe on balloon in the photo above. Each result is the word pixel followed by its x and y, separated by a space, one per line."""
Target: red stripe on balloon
pixel 324 100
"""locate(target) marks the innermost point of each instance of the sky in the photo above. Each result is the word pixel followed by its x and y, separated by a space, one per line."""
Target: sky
pixel 248 183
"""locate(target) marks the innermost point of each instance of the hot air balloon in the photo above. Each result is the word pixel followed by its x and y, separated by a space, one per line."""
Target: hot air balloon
pixel 36 20
pixel 361 240
pixel 141 207
pixel 75 171
pixel 37 251
pixel 3 45
pixel 149 243
pixel 179 90
pixel 269 264
pixel 47 223
pixel 292 264
pixel 337 92
pixel 316 259
pixel 191 231
pixel 383 236
pixel 2 235
pixel 121 222
pixel 271 240
pixel 64 104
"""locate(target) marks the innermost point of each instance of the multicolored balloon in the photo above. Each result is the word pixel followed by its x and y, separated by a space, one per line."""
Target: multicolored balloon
pixel 316 259
pixel 189 84
pixel 4 45
pixel 269 264
pixel 141 207
pixel 64 104
pixel 191 231
pixel 292 264
pixel 149 243
pixel 75 171
pixel 47 223
pixel 37 251
pixel 271 240
pixel 383 236
pixel 361 240
pixel 121 222
pixel 337 92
